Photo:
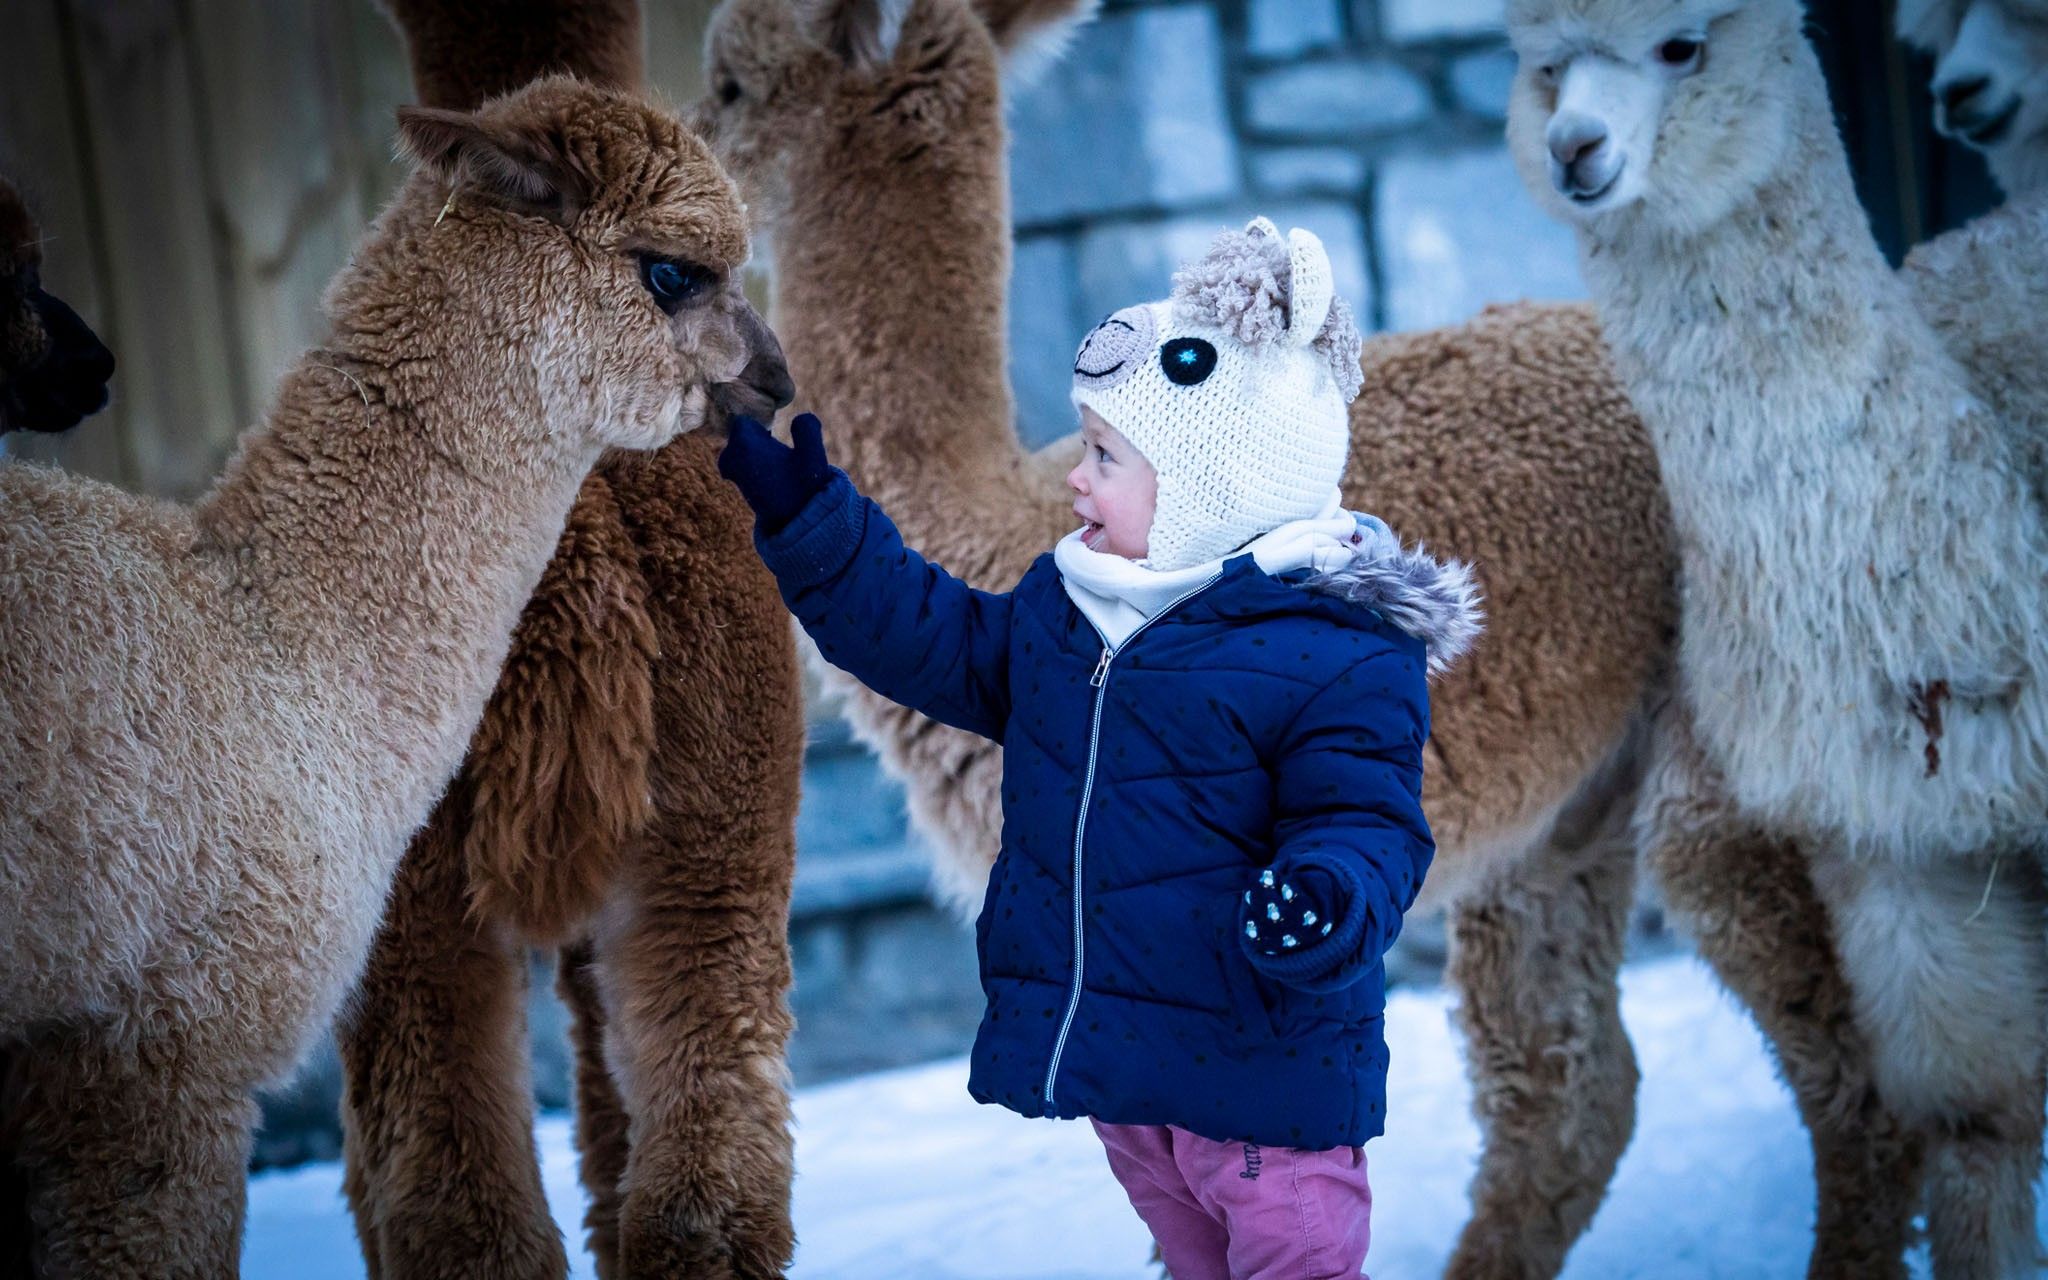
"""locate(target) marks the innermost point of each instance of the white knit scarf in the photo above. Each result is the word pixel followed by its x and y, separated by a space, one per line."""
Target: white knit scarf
pixel 1118 595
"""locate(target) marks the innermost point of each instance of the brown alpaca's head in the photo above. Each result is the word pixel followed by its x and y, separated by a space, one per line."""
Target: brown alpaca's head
pixel 800 88
pixel 53 368
pixel 599 244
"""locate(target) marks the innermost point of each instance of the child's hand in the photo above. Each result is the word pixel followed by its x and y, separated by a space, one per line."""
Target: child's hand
pixel 1290 916
pixel 775 479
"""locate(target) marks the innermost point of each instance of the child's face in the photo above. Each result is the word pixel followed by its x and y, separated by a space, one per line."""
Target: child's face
pixel 1115 489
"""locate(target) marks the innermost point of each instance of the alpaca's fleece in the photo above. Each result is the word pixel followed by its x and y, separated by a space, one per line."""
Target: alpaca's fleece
pixel 220 726
pixel 1984 289
pixel 465 51
pixel 1242 286
pixel 634 777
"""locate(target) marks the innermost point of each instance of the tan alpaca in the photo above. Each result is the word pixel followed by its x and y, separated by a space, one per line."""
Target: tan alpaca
pixel 630 797
pixel 53 368
pixel 219 726
pixel 1506 441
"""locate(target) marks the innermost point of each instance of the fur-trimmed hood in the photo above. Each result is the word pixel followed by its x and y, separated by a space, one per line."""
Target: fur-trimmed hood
pixel 1436 601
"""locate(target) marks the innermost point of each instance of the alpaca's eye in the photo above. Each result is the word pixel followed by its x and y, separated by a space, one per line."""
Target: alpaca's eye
pixel 728 91
pixel 1187 360
pixel 1680 53
pixel 674 283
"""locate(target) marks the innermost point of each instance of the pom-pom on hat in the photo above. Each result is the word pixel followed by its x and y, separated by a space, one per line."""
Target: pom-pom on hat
pixel 1234 389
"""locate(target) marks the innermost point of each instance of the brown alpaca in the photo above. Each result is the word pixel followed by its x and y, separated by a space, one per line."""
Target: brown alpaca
pixel 220 726
pixel 630 797
pixel 53 368
pixel 878 171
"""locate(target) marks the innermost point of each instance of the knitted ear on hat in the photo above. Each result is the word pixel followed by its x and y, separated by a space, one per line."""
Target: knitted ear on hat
pixel 1310 287
pixel 1262 288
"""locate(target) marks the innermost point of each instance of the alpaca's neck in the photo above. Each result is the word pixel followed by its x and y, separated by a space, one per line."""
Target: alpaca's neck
pixel 383 542
pixel 2021 170
pixel 1757 343
pixel 890 283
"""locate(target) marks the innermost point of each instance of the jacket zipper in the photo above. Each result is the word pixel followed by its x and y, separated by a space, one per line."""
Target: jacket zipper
pixel 1100 682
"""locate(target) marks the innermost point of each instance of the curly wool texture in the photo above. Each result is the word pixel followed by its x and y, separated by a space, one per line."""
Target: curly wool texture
pixel 1241 286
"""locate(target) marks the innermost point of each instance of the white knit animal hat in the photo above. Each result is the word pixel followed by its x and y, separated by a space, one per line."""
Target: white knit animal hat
pixel 1234 389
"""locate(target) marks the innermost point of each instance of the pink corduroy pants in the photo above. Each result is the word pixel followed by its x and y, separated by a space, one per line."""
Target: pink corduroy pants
pixel 1239 1211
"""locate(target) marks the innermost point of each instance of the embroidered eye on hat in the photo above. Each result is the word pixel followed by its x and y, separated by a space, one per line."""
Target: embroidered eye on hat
pixel 1234 388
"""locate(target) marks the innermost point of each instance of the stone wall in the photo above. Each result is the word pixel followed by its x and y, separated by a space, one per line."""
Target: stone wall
pixel 1374 123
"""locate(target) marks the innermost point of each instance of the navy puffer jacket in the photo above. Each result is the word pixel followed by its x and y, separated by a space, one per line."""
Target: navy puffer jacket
pixel 1259 722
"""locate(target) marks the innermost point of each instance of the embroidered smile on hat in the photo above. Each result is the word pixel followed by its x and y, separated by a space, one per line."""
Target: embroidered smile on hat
pixel 1234 389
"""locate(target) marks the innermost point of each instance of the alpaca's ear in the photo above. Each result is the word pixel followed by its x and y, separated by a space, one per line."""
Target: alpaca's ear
pixel 522 170
pixel 860 33
pixel 1031 34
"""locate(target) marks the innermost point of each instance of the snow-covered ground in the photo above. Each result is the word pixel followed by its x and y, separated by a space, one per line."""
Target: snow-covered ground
pixel 902 1177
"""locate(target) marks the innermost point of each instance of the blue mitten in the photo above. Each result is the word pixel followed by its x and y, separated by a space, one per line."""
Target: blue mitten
pixel 776 479
pixel 1285 917
pixel 1301 925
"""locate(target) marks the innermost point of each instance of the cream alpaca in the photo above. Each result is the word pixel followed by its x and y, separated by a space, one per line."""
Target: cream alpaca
pixel 1990 80
pixel 1860 649
pixel 1865 511
pixel 1984 287
pixel 219 726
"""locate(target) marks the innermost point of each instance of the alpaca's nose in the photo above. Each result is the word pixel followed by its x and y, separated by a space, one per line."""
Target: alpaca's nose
pixel 1957 95
pixel 1573 137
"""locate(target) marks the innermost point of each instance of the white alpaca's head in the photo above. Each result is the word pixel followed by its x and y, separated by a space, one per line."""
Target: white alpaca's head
pixel 1990 78
pixel 1671 112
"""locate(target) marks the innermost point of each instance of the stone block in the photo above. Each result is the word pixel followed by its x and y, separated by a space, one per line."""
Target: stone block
pixel 1411 20
pixel 1282 28
pixel 1336 99
pixel 1046 327
pixel 1132 117
pixel 1459 231
pixel 1480 82
pixel 1291 171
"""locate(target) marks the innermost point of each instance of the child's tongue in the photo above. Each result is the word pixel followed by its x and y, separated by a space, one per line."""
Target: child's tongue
pixel 1091 534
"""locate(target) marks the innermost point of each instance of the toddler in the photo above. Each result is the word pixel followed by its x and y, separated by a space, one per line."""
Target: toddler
pixel 1212 703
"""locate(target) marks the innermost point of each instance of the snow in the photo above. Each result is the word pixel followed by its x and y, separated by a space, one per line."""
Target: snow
pixel 903 1177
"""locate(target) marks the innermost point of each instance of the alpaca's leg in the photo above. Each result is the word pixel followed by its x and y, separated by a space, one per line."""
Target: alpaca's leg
pixel 437 1108
pixel 699 1030
pixel 1950 975
pixel 135 1162
pixel 1749 902
pixel 695 949
pixel 1535 950
pixel 15 1236
pixel 601 1120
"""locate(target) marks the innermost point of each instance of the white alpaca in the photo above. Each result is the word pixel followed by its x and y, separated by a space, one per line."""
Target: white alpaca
pixel 1984 287
pixel 1862 647
pixel 1990 80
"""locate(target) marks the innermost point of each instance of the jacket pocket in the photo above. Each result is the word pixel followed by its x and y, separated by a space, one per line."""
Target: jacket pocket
pixel 1248 1002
